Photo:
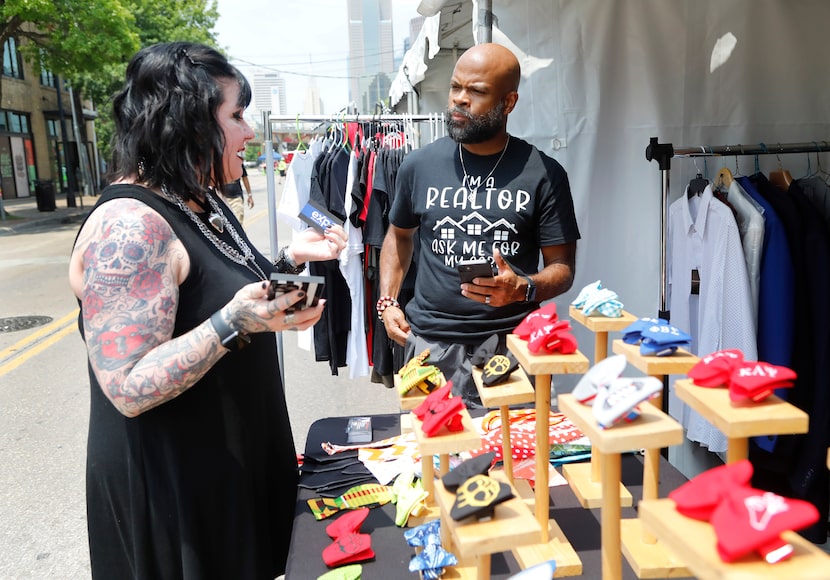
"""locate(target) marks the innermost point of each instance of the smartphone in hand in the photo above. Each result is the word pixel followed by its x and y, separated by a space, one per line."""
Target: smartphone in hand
pixel 478 268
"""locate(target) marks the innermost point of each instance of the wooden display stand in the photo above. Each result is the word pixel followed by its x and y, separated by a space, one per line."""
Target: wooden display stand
pixel 696 541
pixel 512 525
pixel 740 421
pixel 653 429
pixel 412 399
pixel 516 390
pixel 647 556
pixel 585 479
pixel 553 544
pixel 442 445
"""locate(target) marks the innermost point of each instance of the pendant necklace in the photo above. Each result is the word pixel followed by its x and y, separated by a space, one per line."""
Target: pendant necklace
pixel 214 219
pixel 244 256
pixel 468 179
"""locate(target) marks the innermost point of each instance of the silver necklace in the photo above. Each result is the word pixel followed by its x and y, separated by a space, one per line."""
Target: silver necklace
pixel 468 180
pixel 245 257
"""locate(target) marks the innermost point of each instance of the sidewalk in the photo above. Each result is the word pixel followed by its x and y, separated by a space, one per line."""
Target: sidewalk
pixel 21 215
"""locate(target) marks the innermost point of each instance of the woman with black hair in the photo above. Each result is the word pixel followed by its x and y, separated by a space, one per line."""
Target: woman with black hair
pixel 191 464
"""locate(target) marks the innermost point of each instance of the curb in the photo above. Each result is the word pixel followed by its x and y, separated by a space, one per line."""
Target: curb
pixel 22 225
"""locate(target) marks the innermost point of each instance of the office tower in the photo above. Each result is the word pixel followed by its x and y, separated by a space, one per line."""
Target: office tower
pixel 371 52
pixel 269 93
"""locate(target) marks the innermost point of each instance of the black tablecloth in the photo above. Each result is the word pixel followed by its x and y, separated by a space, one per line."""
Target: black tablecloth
pixel 581 526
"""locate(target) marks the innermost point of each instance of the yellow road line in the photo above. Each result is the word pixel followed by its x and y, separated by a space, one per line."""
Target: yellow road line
pixel 43 331
pixel 37 349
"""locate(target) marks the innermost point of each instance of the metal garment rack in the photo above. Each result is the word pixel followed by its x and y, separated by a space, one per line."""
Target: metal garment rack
pixel 268 119
pixel 663 154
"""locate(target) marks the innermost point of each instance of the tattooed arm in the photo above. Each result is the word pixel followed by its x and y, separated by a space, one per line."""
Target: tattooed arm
pixel 126 268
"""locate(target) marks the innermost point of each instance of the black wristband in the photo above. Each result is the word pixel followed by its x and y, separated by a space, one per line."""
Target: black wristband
pixel 231 339
pixel 285 265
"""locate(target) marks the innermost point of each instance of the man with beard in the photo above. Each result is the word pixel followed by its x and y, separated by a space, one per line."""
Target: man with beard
pixel 479 193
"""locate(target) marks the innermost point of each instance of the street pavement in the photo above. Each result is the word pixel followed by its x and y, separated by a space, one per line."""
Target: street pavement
pixel 44 389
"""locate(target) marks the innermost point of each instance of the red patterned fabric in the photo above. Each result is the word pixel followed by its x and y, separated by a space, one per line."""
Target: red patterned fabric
pixel 523 433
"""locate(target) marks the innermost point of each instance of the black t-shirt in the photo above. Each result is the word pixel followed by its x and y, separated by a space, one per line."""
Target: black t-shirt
pixel 234 188
pixel 524 205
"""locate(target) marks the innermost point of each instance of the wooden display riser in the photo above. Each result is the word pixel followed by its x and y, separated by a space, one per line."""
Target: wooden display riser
pixel 512 525
pixel 652 430
pixel 412 399
pixel 649 560
pixel 587 490
pixel 557 548
pixel 546 364
pixel 678 363
pixel 516 390
pixel 447 442
pixel 740 421
pixel 695 541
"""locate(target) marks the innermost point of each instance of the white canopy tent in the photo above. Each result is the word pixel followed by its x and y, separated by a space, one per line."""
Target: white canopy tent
pixel 601 78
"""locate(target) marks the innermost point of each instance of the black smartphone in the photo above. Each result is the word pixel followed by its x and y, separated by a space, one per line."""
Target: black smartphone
pixel 469 269
pixel 282 283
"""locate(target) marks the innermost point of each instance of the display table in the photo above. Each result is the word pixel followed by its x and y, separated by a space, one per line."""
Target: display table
pixel 582 527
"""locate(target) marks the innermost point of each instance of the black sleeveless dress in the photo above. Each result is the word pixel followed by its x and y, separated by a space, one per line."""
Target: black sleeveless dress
pixel 203 486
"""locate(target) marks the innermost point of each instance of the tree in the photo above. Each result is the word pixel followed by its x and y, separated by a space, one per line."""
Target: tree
pixel 68 37
pixel 155 21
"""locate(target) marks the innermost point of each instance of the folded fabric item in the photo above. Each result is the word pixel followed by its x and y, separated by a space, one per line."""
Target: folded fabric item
pixel 432 559
pixel 662 340
pixel 348 572
pixel 605 302
pixel 432 399
pixel 347 549
pixel 601 373
pixel 536 318
pixel 331 479
pixel 752 520
pixel 348 523
pixel 486 350
pixel 664 334
pixel 715 369
pixel 409 501
pixel 324 456
pixel 587 291
pixel 338 464
pixel 444 415
pixel 698 497
pixel 418 536
pixel 631 334
pixel 552 338
pixel 523 433
pixel 478 465
pixel 618 399
pixel 415 373
pixel 366 495
pixel 756 381
pixel 478 496
pixel 498 369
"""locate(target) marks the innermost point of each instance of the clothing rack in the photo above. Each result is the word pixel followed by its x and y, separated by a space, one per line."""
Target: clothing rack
pixel 268 119
pixel 663 154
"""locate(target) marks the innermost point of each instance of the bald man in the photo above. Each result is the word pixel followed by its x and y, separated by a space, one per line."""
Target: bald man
pixel 479 193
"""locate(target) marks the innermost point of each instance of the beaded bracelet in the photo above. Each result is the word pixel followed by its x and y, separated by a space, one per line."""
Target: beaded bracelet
pixel 385 302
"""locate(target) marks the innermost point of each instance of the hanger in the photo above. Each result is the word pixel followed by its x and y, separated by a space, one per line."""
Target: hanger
pixel 300 142
pixel 698 184
pixel 780 178
pixel 724 178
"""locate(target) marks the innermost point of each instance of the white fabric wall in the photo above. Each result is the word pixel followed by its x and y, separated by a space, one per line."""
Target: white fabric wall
pixel 622 72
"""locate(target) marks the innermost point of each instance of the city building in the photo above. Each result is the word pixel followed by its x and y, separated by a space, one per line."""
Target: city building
pixel 38 143
pixel 371 53
pixel 269 92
